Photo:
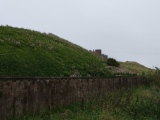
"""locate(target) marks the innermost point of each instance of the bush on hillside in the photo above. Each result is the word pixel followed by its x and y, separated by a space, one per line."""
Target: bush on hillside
pixel 154 78
pixel 112 62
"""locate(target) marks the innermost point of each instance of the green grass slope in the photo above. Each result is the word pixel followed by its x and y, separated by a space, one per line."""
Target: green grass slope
pixel 134 67
pixel 30 53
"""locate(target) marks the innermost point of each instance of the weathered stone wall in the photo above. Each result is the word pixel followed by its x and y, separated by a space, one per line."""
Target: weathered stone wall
pixel 20 96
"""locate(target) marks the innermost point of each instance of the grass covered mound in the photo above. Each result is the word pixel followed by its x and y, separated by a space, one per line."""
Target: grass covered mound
pixel 30 53
pixel 135 67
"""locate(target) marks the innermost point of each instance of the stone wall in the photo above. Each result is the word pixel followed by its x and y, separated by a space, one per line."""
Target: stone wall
pixel 21 96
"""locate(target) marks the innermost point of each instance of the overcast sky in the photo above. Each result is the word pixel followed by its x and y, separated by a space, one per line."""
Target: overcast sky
pixel 127 30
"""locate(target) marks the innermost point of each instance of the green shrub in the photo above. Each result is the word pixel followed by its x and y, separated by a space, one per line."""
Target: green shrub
pixel 112 62
pixel 154 78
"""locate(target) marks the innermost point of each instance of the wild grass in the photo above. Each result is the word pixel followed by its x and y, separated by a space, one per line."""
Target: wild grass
pixel 135 67
pixel 131 104
pixel 141 103
pixel 30 53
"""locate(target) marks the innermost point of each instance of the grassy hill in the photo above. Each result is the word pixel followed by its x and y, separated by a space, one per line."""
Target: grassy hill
pixel 130 68
pixel 134 67
pixel 30 53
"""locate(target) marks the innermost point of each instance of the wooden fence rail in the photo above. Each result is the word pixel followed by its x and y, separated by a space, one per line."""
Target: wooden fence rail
pixel 21 96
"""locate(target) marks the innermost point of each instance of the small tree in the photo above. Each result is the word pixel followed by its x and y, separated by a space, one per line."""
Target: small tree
pixel 112 62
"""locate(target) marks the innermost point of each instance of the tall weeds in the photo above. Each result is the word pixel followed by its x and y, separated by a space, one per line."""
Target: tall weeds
pixel 141 103
pixel 131 104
